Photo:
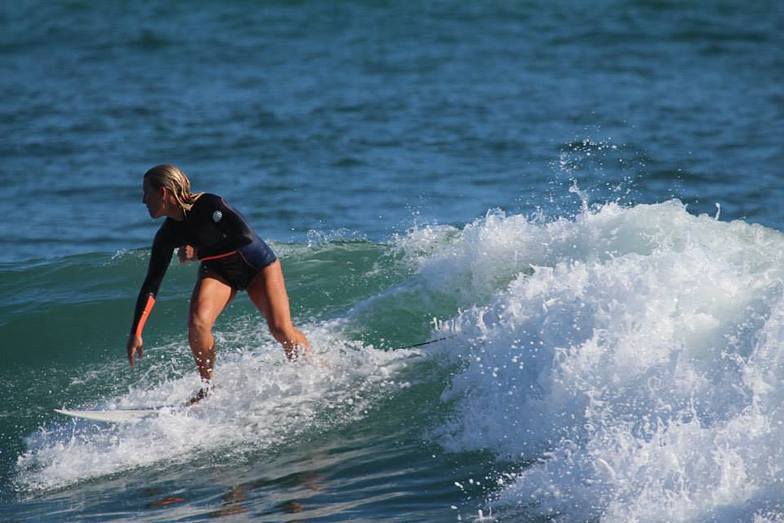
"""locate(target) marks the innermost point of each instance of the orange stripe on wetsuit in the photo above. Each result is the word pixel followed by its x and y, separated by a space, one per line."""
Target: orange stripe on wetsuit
pixel 145 314
pixel 217 256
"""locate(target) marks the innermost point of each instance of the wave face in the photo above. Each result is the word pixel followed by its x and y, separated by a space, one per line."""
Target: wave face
pixel 634 368
pixel 620 365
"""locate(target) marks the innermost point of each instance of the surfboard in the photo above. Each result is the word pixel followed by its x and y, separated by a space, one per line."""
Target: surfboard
pixel 110 416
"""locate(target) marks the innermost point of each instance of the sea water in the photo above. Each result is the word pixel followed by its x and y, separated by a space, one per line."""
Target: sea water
pixel 579 201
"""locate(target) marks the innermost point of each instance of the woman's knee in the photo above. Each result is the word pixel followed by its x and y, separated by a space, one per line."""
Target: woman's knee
pixel 199 326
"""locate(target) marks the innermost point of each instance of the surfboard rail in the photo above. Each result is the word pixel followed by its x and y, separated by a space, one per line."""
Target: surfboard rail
pixel 110 416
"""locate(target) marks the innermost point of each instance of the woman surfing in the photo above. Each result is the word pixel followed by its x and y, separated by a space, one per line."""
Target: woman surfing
pixel 232 257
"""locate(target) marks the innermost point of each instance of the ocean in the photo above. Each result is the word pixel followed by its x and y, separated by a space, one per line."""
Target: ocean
pixel 580 202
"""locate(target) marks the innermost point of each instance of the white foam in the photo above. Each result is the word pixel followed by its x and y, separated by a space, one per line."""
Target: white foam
pixel 637 369
pixel 260 401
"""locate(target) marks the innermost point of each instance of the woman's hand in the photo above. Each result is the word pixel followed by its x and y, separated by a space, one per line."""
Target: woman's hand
pixel 186 253
pixel 135 347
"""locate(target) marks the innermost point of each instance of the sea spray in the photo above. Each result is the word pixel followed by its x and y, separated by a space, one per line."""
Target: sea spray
pixel 634 373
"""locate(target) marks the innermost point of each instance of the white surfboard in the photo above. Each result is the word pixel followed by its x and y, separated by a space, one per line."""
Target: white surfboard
pixel 110 416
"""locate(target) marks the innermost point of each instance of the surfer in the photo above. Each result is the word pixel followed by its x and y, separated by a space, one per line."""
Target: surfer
pixel 233 258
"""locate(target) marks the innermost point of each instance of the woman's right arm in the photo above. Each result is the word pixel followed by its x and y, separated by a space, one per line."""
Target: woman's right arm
pixel 162 251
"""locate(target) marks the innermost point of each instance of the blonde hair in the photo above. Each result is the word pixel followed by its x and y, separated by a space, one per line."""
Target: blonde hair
pixel 172 178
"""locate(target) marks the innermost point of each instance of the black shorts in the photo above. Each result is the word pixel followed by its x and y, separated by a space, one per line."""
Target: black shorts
pixel 241 266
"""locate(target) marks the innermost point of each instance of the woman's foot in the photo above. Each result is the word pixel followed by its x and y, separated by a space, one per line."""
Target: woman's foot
pixel 205 391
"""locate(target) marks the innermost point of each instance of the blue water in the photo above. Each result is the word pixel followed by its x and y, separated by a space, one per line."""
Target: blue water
pixel 585 196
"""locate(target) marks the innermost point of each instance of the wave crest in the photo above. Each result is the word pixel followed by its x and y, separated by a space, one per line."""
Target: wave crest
pixel 633 371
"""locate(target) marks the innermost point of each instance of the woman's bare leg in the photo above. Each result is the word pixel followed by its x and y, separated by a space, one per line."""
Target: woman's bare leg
pixel 267 291
pixel 210 297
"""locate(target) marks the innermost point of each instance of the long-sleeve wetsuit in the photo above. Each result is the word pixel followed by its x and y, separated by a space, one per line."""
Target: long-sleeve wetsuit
pixel 224 242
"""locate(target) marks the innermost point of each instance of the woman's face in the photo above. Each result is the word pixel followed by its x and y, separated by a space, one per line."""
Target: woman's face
pixel 154 199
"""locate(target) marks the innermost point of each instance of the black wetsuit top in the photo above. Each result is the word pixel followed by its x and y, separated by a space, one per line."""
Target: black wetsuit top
pixel 223 240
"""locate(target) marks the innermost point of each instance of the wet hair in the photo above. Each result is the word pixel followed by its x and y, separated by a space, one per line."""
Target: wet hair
pixel 172 178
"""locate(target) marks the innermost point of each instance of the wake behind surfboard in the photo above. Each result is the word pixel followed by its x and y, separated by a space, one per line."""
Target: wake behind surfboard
pixel 110 416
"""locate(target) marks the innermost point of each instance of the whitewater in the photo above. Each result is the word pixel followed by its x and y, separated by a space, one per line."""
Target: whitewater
pixel 634 367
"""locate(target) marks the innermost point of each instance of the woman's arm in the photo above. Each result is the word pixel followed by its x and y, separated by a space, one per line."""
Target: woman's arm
pixel 162 251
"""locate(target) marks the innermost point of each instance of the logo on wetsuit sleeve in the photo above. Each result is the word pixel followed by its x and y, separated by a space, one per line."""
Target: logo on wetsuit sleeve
pixel 216 216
